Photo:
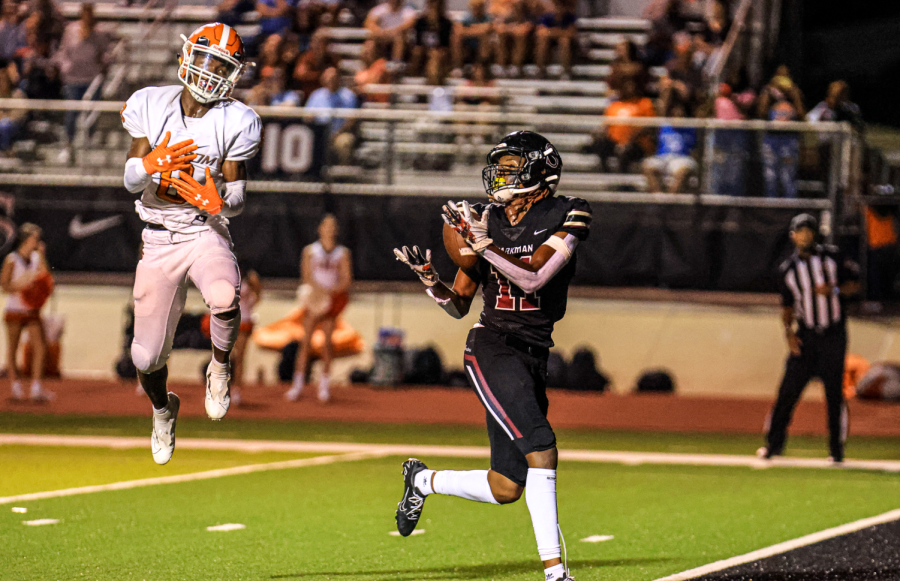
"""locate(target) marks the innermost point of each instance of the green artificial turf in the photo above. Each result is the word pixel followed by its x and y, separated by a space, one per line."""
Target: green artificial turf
pixel 332 522
pixel 708 443
pixel 37 468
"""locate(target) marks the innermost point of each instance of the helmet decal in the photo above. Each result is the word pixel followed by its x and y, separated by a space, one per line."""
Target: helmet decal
pixel 538 169
pixel 211 62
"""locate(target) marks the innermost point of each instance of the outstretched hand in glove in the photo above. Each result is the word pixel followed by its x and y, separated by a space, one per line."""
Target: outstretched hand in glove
pixel 472 228
pixel 419 262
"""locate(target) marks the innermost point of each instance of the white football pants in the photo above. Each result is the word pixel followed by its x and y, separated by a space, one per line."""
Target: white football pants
pixel 160 289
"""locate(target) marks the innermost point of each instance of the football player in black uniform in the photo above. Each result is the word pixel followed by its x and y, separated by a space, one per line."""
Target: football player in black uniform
pixel 525 240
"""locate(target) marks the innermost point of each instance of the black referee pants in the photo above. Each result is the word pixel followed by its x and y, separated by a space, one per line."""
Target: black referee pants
pixel 822 355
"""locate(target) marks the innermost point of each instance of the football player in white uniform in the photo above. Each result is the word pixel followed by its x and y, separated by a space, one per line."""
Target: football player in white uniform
pixel 187 160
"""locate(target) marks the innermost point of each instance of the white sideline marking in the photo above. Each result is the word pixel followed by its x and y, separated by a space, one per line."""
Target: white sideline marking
pixel 597 538
pixel 234 526
pixel 19 509
pixel 40 522
pixel 785 546
pixel 627 458
pixel 414 533
pixel 318 461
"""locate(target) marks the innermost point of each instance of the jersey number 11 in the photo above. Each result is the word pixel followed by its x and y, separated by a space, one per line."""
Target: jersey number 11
pixel 512 298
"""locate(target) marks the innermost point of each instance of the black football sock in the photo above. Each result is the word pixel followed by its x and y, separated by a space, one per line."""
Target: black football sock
pixel 154 384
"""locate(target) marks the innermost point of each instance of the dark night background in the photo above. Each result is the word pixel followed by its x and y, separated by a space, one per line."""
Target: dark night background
pixel 854 40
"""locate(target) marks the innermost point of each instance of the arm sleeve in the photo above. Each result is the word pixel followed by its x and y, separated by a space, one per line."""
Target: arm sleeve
pixel 578 220
pixel 246 143
pixel 233 198
pixel 134 115
pixel 529 281
pixel 136 177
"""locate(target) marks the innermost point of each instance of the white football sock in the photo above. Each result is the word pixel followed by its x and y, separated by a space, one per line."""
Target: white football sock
pixel 555 572
pixel 540 496
pixel 298 382
pixel 423 482
pixel 218 369
pixel 471 485
pixel 36 388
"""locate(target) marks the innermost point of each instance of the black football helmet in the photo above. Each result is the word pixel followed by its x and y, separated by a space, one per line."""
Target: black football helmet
pixel 540 167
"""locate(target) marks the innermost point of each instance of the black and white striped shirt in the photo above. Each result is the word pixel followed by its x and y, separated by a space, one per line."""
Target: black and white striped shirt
pixel 799 278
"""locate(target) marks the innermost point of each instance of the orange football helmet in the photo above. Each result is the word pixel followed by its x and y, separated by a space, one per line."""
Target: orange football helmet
pixel 211 62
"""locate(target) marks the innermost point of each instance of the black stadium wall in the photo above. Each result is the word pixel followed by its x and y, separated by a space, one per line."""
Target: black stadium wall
pixel 690 246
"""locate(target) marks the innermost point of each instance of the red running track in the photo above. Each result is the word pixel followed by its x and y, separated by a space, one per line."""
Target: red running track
pixel 461 406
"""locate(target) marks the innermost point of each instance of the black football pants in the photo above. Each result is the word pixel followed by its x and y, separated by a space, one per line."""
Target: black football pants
pixel 821 355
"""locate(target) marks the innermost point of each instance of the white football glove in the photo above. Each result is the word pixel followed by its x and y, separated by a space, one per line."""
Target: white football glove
pixel 419 263
pixel 474 230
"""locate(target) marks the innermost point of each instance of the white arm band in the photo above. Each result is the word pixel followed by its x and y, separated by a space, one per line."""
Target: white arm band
pixel 446 304
pixel 136 177
pixel 233 198
pixel 529 281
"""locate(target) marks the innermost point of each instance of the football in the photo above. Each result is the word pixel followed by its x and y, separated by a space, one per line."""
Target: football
pixel 460 253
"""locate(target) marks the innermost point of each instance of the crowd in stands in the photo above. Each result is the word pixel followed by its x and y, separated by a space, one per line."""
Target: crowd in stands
pixel 44 57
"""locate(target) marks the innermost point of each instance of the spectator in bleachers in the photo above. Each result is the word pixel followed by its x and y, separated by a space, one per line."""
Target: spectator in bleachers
pixel 81 57
pixel 624 144
pixel 306 22
pixel 674 161
pixel 269 59
pixel 374 72
pixel 12 31
pixel 272 90
pixel 731 147
pixel 665 20
pixel 472 36
pixel 231 12
pixel 275 16
pixel 480 78
pixel 556 27
pixel 10 119
pixel 389 24
pixel 313 63
pixel 627 64
pixel 513 28
pixel 781 100
pixel 837 106
pixel 683 80
pixel 48 20
pixel 40 77
pixel 331 95
pixel 432 31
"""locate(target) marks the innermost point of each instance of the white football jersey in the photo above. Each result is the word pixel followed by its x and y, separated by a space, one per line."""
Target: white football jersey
pixel 229 131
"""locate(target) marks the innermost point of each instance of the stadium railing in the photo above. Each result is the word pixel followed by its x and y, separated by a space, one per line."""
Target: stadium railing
pixel 423 153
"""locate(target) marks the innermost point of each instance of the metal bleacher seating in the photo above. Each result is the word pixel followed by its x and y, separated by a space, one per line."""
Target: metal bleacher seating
pixel 150 40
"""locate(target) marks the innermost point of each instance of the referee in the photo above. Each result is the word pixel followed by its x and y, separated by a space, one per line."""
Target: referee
pixel 814 286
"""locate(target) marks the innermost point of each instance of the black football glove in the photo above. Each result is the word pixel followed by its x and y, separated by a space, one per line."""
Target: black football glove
pixel 419 263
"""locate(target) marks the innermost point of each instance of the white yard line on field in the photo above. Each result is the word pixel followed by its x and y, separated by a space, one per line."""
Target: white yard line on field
pixel 628 458
pixel 785 547
pixel 301 463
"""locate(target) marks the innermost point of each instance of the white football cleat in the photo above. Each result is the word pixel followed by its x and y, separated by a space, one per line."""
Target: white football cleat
pixel 18 393
pixel 162 440
pixel 218 390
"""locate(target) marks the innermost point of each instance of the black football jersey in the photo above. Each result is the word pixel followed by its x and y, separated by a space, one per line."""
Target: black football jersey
pixel 507 309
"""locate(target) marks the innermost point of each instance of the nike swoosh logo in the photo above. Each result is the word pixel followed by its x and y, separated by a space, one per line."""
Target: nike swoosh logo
pixel 536 232
pixel 80 230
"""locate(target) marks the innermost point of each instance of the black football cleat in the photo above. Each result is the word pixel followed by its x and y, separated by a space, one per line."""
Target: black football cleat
pixel 409 509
